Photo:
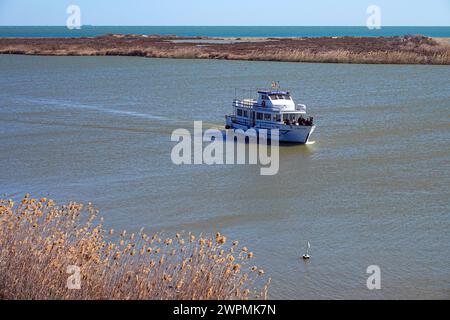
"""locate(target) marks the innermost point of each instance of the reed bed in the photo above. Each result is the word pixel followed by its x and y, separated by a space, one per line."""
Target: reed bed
pixel 374 50
pixel 424 54
pixel 40 242
pixel 441 57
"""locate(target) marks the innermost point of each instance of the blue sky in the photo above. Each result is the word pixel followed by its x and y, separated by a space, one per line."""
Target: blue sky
pixel 226 12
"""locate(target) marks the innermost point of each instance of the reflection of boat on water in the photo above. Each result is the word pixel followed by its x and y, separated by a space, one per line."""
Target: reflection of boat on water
pixel 273 109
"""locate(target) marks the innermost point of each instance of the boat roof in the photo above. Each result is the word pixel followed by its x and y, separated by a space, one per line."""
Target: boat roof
pixel 273 92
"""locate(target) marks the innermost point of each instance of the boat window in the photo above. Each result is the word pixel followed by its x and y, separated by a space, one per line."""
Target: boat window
pixel 259 116
pixel 280 97
pixel 267 116
pixel 239 112
pixel 264 97
pixel 277 118
pixel 285 116
pixel 245 114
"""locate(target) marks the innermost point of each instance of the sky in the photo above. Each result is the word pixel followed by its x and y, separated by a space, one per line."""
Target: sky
pixel 226 12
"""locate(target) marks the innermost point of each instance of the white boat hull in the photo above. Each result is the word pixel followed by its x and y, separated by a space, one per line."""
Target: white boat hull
pixel 288 133
pixel 297 135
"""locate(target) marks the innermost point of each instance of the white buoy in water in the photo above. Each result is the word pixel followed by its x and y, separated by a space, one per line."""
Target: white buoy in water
pixel 306 255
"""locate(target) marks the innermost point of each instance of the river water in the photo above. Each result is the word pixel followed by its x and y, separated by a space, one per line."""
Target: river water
pixel 372 189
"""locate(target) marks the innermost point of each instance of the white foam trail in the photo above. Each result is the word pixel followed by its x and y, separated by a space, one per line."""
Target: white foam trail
pixel 58 103
pixel 68 104
pixel 310 142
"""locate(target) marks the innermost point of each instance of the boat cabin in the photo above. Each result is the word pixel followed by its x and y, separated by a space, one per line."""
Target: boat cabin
pixel 271 106
pixel 276 99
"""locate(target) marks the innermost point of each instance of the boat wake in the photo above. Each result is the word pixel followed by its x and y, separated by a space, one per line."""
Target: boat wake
pixel 65 104
pixel 75 105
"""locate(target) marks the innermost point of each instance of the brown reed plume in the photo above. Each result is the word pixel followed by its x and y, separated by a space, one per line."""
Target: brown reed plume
pixel 39 241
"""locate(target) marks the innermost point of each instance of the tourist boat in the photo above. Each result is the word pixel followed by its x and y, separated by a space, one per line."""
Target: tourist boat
pixel 273 109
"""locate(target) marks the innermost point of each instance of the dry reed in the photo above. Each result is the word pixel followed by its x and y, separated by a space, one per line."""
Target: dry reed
pixel 39 240
pixel 432 55
pixel 392 50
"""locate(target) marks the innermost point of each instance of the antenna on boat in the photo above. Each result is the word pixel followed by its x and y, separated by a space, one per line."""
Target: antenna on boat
pixel 306 255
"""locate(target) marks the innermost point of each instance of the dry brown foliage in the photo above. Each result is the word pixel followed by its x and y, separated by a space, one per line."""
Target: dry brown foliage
pixel 391 50
pixel 39 240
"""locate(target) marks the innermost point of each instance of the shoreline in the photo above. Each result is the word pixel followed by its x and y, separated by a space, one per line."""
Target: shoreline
pixel 362 50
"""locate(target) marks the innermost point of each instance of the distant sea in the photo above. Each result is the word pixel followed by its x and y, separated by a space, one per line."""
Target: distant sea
pixel 220 31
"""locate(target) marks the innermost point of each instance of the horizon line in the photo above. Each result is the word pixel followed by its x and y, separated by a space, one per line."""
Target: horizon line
pixel 256 26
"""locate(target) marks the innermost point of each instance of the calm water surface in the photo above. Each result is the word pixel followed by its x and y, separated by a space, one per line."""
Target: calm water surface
pixel 373 189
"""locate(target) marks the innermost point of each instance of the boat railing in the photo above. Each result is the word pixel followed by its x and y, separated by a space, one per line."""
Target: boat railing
pixel 245 103
pixel 253 104
pixel 271 124
pixel 251 122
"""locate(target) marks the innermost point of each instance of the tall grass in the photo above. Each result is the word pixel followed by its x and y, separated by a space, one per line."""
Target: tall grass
pixel 428 56
pixel 40 240
pixel 390 50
